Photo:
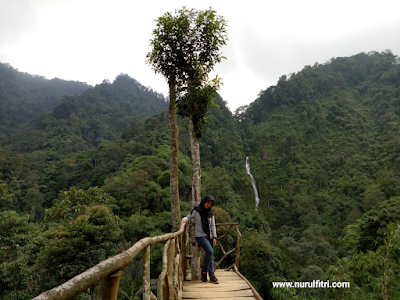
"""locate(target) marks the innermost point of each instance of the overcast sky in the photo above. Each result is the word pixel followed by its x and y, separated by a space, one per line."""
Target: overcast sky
pixel 92 40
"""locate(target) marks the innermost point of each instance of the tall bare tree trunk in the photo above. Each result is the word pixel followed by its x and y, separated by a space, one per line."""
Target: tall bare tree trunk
pixel 174 132
pixel 196 197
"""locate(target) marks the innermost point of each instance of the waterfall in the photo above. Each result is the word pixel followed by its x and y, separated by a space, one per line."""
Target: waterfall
pixel 256 196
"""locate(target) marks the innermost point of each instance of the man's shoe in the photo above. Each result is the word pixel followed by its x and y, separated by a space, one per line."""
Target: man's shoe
pixel 213 279
pixel 204 277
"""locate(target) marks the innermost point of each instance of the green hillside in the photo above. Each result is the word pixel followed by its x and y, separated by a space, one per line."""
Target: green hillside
pixel 23 97
pixel 330 129
pixel 81 122
pixel 323 146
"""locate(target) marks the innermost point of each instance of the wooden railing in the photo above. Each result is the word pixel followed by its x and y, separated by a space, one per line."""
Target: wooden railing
pixel 107 272
pixel 237 248
pixel 170 282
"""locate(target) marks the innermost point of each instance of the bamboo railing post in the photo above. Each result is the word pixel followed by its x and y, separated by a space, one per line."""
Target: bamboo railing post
pixel 170 266
pixel 186 254
pixel 162 290
pixel 238 246
pixel 146 274
pixel 195 256
pixel 183 254
pixel 108 287
pixel 178 275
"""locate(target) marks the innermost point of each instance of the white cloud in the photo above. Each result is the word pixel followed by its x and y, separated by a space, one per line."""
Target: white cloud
pixel 92 40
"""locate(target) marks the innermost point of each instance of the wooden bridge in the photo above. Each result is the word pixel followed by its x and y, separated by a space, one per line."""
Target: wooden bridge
pixel 174 282
pixel 231 286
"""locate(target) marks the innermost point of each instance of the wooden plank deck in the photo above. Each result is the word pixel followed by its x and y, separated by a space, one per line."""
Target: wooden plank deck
pixel 230 286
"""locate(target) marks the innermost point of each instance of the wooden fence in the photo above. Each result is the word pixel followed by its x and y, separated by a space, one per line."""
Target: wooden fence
pixel 237 248
pixel 170 282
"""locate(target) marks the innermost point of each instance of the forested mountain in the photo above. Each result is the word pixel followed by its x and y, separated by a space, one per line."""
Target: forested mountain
pixel 83 121
pixel 134 170
pixel 24 97
pixel 323 146
pixel 330 129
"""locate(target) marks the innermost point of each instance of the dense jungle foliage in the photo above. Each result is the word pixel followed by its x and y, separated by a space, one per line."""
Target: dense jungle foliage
pixel 23 97
pixel 88 178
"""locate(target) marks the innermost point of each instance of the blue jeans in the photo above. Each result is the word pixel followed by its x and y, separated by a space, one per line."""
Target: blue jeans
pixel 208 264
